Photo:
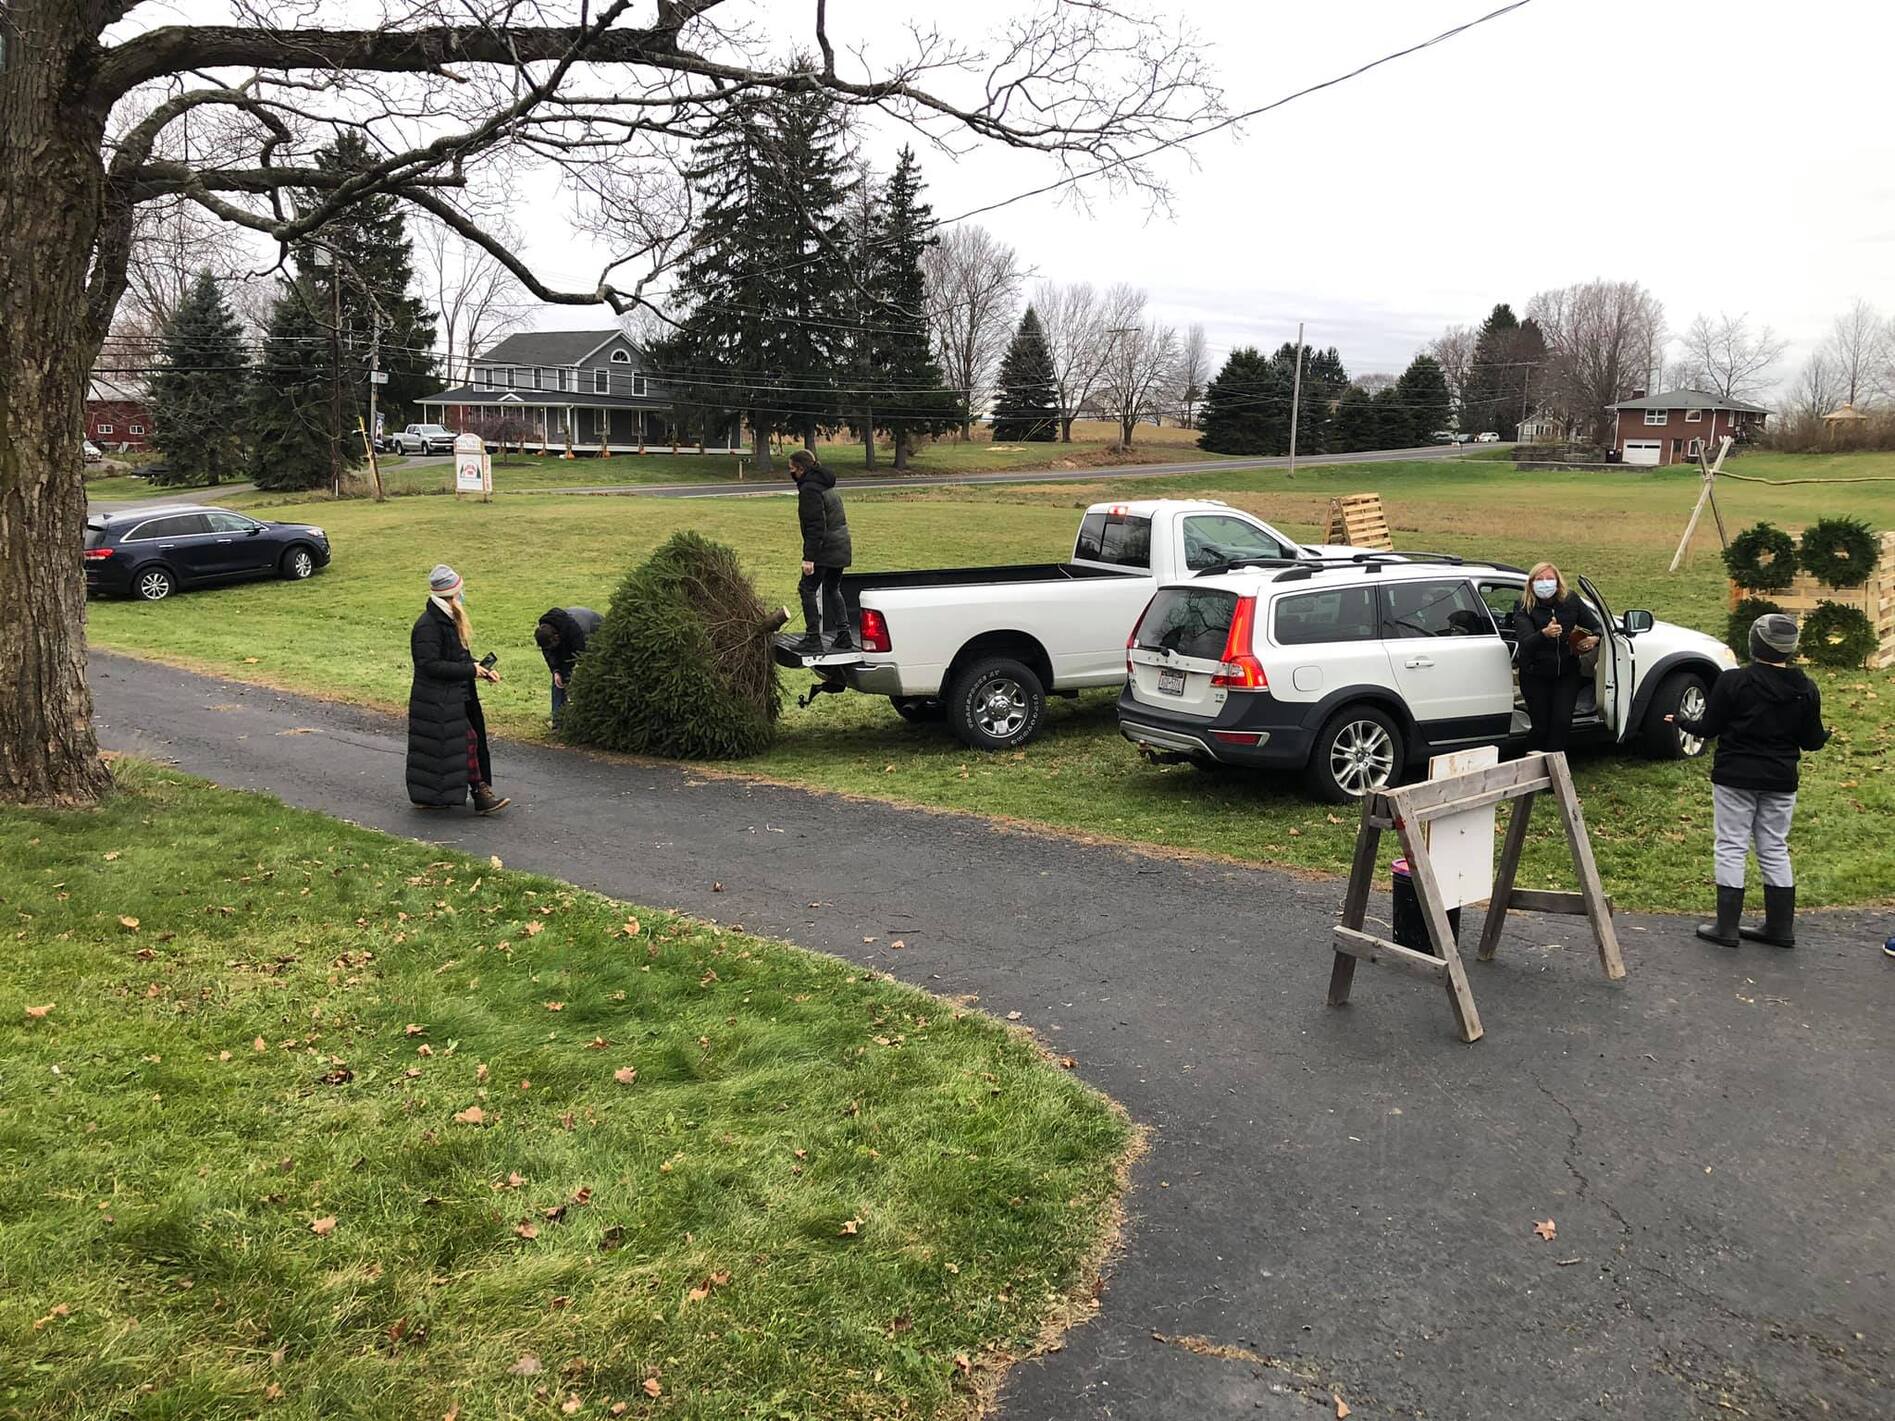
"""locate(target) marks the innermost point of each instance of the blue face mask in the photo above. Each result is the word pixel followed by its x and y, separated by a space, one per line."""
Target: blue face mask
pixel 1544 587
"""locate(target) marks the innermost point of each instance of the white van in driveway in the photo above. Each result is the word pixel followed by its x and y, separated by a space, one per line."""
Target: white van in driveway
pixel 1354 671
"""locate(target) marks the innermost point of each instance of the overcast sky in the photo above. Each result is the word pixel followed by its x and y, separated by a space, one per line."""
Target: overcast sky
pixel 1731 155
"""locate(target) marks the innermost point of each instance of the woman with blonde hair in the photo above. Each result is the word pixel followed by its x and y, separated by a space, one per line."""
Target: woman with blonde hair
pixel 1552 629
pixel 447 734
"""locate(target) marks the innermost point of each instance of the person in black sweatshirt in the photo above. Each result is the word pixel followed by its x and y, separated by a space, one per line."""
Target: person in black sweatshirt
pixel 1552 630
pixel 826 552
pixel 561 635
pixel 1763 716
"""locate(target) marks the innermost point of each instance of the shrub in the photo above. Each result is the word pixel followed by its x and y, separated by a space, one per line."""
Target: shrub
pixel 1737 634
pixel 681 665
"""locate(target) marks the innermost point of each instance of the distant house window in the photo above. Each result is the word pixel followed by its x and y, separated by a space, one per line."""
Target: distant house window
pixel 486 377
pixel 137 429
pixel 1693 416
pixel 1696 449
pixel 1658 416
pixel 565 378
pixel 638 384
pixel 601 382
pixel 105 429
pixel 620 357
pixel 513 377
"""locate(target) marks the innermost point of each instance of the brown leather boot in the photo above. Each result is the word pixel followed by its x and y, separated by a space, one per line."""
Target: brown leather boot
pixel 486 802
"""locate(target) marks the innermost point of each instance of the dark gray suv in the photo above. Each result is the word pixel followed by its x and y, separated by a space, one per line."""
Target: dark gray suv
pixel 150 553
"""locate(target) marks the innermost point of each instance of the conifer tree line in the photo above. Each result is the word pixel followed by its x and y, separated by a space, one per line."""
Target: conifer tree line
pixel 282 409
pixel 1248 404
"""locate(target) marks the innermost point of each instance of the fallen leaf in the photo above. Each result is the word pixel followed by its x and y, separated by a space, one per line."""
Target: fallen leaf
pixel 480 1073
pixel 526 1230
pixel 850 1227
pixel 273 1392
pixel 453 1413
pixel 625 1075
pixel 59 1310
pixel 534 928
pixel 424 1049
pixel 250 661
pixel 1342 1407
pixel 111 855
pixel 721 1278
pixel 1545 1229
pixel 39 1013
pixel 597 1043
pixel 473 1115
pixel 259 1044
pixel 527 1366
pixel 571 1404
pixel 493 860
pixel 1067 1062
pixel 555 1006
pixel 631 927
pixel 653 1387
pixel 897 945
pixel 324 1226
pixel 697 1294
pixel 129 923
pixel 715 888
pixel 618 1408
pixel 414 1029
pixel 1013 1016
pixel 961 1364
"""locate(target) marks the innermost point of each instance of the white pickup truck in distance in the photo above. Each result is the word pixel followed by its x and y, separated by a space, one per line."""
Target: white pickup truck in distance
pixel 985 646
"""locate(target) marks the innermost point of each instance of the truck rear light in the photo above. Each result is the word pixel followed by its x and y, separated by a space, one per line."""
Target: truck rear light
pixel 875 631
pixel 1132 641
pixel 1241 670
pixel 98 554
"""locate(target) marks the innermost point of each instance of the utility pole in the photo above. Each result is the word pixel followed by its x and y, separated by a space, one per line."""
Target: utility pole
pixel 335 376
pixel 1296 396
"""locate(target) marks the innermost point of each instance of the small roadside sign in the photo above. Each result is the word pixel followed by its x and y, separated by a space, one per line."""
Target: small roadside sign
pixel 378 377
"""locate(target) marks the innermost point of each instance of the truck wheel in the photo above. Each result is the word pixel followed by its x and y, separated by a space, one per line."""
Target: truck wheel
pixel 1358 751
pixel 917 709
pixel 996 704
pixel 1681 693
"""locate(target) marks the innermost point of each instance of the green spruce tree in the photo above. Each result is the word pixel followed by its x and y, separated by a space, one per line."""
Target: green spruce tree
pixel 1392 427
pixel 1422 391
pixel 197 394
pixel 1247 406
pixel 1027 405
pixel 1507 354
pixel 290 425
pixel 912 401
pixel 1355 421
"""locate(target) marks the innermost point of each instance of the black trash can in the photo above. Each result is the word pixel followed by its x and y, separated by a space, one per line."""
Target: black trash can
pixel 1411 927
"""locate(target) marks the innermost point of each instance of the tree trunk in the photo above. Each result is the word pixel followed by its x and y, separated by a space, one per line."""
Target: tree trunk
pixel 1125 432
pixel 51 185
pixel 903 441
pixel 868 440
pixel 1065 429
pixel 760 450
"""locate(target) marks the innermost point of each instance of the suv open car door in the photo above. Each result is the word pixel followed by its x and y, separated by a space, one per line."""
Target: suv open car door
pixel 1616 677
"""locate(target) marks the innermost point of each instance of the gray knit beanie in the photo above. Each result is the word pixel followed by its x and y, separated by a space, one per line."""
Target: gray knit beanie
pixel 444 581
pixel 1773 637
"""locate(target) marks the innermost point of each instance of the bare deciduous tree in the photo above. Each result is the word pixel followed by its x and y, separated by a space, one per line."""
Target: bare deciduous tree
pixel 1817 391
pixel 442 91
pixel 1602 342
pixel 1723 356
pixel 1453 350
pixel 1856 350
pixel 973 302
pixel 1190 374
pixel 476 299
pixel 1139 369
pixel 1072 320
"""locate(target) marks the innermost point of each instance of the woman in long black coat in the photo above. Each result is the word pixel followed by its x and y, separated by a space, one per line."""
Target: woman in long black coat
pixel 447 735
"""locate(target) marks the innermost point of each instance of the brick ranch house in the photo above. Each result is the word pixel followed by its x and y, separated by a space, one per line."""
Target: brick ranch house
pixel 1671 426
pixel 116 418
pixel 583 390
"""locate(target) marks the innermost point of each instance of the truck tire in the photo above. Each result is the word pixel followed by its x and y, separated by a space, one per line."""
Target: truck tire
pixel 1358 750
pixel 996 704
pixel 1680 693
pixel 917 709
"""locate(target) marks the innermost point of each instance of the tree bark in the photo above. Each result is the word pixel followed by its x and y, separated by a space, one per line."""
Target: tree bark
pixel 903 442
pixel 51 204
pixel 868 441
pixel 760 449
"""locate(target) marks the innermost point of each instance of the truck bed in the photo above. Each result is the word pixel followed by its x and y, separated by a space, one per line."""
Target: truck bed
pixel 855 583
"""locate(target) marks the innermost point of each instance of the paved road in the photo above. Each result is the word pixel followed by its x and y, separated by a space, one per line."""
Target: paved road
pixel 779 485
pixel 1335 1201
pixel 162 498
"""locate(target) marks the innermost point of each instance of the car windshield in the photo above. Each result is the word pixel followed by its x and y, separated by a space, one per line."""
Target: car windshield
pixel 1192 621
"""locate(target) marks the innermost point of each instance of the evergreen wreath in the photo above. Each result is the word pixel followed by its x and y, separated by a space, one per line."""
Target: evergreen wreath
pixel 1762 559
pixel 1737 634
pixel 1840 552
pixel 1835 635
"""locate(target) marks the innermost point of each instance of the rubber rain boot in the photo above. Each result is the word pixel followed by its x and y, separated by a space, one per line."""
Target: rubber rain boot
pixel 1730 910
pixel 1779 918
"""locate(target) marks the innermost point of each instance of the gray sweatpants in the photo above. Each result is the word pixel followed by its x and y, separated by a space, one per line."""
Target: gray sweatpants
pixel 1749 818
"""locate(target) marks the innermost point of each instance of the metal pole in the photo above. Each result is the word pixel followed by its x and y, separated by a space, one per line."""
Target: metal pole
pixel 1296 396
pixel 335 380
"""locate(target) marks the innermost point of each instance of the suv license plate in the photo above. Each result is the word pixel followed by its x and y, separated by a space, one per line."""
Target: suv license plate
pixel 1171 683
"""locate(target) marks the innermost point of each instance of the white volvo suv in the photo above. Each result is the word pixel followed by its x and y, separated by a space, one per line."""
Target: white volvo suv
pixel 1355 670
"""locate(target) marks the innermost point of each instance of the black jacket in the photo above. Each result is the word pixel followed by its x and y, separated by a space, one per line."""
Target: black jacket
pixel 1541 655
pixel 442 707
pixel 575 626
pixel 825 526
pixel 1763 717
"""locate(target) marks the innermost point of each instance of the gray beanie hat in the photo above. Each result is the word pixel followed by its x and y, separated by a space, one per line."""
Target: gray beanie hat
pixel 444 581
pixel 1773 637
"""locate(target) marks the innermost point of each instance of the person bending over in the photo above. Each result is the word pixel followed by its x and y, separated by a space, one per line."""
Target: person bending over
pixel 562 635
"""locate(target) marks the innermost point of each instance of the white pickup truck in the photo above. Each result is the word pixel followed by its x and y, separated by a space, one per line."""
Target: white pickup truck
pixel 986 645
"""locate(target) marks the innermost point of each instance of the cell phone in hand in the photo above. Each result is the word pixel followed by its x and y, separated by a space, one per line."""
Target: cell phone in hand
pixel 489 659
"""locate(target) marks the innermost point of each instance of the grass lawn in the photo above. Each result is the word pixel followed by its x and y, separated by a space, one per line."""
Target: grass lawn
pixel 306 1121
pixel 345 634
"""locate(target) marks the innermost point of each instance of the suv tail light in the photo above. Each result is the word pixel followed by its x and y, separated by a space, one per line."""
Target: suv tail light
pixel 98 554
pixel 1242 671
pixel 1132 641
pixel 875 631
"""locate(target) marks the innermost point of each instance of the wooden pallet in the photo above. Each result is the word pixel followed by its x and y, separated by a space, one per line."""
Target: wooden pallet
pixel 1875 599
pixel 1357 520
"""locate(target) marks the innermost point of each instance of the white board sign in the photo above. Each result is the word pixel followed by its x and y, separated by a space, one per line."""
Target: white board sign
pixel 1461 846
pixel 473 467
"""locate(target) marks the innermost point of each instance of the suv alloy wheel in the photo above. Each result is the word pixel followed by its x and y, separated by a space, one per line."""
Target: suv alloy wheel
pixel 1358 751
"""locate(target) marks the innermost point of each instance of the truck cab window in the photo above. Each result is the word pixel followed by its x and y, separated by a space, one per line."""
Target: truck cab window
pixel 1114 538
pixel 1213 538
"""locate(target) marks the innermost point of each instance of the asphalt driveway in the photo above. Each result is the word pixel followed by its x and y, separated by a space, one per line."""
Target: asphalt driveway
pixel 1336 1202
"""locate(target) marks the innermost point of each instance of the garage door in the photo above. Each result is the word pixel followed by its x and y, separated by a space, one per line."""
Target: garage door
pixel 1643 451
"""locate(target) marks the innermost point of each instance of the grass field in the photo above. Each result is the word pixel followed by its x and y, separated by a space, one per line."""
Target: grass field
pixel 345 634
pixel 305 1121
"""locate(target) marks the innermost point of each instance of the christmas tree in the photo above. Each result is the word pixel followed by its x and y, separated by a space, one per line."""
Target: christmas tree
pixel 1027 406
pixel 197 394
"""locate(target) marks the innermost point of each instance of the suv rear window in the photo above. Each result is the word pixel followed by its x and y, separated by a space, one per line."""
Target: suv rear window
pixel 1337 614
pixel 1192 621
pixel 95 534
pixel 1114 538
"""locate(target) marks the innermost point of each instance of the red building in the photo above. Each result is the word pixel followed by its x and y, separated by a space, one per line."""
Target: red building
pixel 1671 426
pixel 116 419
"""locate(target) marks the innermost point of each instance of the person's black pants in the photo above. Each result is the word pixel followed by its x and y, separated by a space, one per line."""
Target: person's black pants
pixel 832 617
pixel 1550 701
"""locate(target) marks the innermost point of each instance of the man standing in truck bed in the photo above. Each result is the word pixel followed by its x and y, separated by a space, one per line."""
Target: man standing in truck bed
pixel 826 552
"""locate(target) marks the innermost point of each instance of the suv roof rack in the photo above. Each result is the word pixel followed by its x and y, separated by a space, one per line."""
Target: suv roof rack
pixel 1369 561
